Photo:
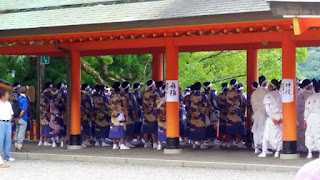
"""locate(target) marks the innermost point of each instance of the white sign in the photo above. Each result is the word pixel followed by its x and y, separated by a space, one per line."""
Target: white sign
pixel 172 90
pixel 287 90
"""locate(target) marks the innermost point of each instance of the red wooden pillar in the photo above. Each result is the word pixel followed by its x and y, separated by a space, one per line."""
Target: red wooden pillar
pixel 172 104
pixel 75 99
pixel 252 68
pixel 157 67
pixel 289 107
pixel 252 76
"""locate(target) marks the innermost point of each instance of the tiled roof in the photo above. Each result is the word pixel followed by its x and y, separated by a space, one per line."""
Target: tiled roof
pixel 21 4
pixel 5 82
pixel 67 13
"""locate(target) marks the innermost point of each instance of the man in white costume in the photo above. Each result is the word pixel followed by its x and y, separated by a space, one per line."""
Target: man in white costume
pixel 259 113
pixel 312 123
pixel 307 90
pixel 272 136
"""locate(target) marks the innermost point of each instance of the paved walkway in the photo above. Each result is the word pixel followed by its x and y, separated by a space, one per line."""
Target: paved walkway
pixel 214 158
pixel 72 170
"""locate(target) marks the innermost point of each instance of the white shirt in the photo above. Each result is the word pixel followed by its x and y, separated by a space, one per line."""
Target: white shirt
pixel 6 111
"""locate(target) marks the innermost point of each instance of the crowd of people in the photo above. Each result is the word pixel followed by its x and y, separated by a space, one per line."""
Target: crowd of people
pixel 266 103
pixel 308 111
pixel 13 117
pixel 128 118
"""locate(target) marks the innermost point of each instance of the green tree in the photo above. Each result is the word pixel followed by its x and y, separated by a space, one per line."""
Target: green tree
pixel 222 66
pixel 310 68
pixel 216 67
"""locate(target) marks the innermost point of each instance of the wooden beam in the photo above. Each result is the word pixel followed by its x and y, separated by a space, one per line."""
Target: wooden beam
pixel 148 31
pixel 29 50
pixel 122 51
pixel 309 35
pixel 229 39
pixel 300 25
pixel 117 44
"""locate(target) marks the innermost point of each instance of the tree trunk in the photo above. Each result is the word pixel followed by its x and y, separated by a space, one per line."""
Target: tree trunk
pixel 105 72
pixel 89 70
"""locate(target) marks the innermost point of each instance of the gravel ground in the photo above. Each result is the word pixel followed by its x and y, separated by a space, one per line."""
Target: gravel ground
pixel 51 170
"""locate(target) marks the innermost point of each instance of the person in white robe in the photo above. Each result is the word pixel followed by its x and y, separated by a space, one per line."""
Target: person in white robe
pixel 312 123
pixel 259 113
pixel 307 90
pixel 272 137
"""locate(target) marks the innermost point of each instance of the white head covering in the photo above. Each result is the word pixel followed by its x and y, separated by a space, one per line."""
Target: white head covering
pixel 16 87
pixel 235 84
pixel 153 83
pixel 208 86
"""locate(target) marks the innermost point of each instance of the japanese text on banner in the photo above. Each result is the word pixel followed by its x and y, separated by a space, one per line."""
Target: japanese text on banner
pixel 287 90
pixel 172 90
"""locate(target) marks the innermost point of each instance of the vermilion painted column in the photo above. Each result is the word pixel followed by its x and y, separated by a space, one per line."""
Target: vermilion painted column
pixel 157 67
pixel 75 99
pixel 289 108
pixel 252 68
pixel 252 76
pixel 172 93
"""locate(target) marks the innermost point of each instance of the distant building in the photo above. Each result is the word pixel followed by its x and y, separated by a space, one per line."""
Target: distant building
pixel 5 84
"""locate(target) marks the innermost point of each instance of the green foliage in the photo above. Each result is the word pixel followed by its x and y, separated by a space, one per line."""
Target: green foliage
pixel 216 67
pixel 197 66
pixel 310 68
pixel 222 66
pixel 18 69
pixel 56 71
pixel 133 68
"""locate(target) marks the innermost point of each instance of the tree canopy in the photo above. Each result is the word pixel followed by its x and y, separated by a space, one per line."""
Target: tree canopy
pixel 310 68
pixel 222 66
pixel 216 67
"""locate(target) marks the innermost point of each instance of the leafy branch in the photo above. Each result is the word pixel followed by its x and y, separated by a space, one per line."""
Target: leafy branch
pixel 106 74
pixel 85 66
pixel 229 77
pixel 211 56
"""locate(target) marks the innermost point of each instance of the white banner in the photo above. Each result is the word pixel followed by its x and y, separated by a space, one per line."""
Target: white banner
pixel 287 91
pixel 172 91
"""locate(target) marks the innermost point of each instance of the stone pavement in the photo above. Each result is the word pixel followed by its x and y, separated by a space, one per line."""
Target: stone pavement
pixel 211 158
